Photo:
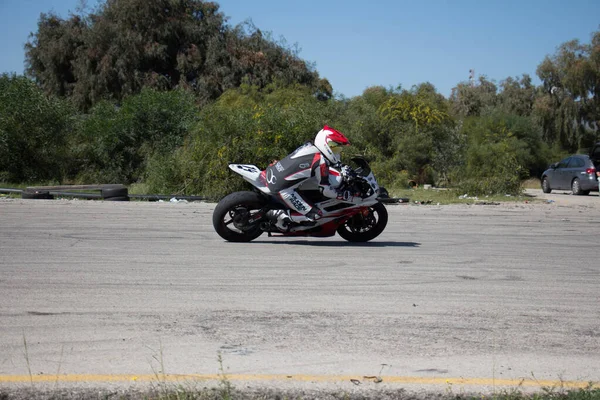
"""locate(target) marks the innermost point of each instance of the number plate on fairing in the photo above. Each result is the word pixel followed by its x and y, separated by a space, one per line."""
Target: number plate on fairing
pixel 251 173
pixel 246 170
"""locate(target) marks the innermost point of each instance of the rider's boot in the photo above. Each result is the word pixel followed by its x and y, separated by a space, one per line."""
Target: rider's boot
pixel 281 218
pixel 314 214
pixel 309 218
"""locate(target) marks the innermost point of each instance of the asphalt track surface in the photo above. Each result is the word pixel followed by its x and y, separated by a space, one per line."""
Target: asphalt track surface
pixel 477 296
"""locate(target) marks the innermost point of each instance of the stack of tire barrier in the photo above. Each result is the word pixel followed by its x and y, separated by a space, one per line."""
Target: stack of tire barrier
pixel 36 194
pixel 107 192
pixel 384 197
pixel 115 194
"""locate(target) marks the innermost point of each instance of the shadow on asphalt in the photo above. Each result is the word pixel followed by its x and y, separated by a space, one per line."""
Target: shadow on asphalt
pixel 337 243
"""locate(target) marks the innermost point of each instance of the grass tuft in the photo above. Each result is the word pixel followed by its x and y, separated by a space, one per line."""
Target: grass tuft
pixel 181 393
pixel 452 196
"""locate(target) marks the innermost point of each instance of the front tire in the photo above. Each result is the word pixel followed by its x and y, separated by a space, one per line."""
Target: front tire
pixel 546 186
pixel 362 228
pixel 231 215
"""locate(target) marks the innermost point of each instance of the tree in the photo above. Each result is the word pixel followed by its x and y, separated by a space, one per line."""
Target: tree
pixel 517 96
pixel 417 106
pixel 470 100
pixel 418 128
pixel 52 52
pixel 569 108
pixel 126 45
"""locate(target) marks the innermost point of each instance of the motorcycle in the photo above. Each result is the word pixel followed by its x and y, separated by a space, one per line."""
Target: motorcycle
pixel 242 216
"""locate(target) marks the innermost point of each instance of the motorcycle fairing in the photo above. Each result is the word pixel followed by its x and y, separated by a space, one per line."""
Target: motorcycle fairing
pixel 334 213
pixel 334 210
pixel 250 173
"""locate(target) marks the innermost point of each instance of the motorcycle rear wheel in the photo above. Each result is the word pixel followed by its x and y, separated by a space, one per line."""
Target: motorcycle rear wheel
pixel 230 217
pixel 361 228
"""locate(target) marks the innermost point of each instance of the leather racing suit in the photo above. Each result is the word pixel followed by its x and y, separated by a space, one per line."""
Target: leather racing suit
pixel 285 176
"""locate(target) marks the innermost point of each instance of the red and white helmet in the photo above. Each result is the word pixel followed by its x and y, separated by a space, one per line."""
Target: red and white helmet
pixel 330 143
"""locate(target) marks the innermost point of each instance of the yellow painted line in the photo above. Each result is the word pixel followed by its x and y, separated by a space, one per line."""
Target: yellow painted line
pixel 297 378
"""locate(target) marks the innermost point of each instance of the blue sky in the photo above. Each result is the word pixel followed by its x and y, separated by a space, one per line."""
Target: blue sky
pixel 357 44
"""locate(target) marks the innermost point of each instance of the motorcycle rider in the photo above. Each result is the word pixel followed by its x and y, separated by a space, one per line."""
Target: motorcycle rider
pixel 309 161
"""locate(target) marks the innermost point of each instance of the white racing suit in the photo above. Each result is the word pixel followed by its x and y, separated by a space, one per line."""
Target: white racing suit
pixel 285 176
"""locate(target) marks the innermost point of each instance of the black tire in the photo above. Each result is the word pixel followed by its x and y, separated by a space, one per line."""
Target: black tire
pixel 546 185
pixel 362 229
pixel 576 187
pixel 122 198
pixel 114 192
pixel 233 211
pixel 44 195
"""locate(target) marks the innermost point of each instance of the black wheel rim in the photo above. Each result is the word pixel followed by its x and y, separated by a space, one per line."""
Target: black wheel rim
pixel 362 223
pixel 237 219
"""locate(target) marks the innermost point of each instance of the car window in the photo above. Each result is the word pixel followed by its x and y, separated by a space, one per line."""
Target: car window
pixel 576 162
pixel 563 163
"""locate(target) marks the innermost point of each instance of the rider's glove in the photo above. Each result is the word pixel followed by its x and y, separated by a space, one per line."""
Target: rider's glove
pixel 329 191
pixel 347 173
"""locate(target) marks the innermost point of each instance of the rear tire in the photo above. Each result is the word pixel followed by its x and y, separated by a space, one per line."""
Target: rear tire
pixel 576 188
pixel 230 218
pixel 546 186
pixel 362 228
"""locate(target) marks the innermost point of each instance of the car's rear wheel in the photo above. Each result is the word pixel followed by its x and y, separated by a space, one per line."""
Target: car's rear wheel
pixel 576 188
pixel 546 186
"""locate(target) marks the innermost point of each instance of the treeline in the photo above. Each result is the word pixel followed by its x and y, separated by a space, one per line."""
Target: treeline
pixel 166 93
pixel 124 46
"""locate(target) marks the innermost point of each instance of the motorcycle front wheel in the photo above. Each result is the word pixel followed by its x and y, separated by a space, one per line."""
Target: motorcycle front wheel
pixel 231 218
pixel 362 228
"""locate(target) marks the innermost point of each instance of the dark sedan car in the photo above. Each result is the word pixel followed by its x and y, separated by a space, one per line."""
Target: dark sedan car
pixel 576 173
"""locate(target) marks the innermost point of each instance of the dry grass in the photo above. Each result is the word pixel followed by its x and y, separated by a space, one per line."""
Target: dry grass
pixel 532 183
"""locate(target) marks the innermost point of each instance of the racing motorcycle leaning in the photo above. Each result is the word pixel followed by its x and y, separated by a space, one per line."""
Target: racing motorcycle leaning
pixel 242 216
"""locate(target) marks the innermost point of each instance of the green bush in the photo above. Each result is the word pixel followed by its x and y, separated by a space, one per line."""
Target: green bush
pixel 243 126
pixel 162 139
pixel 493 162
pixel 33 132
pixel 115 142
